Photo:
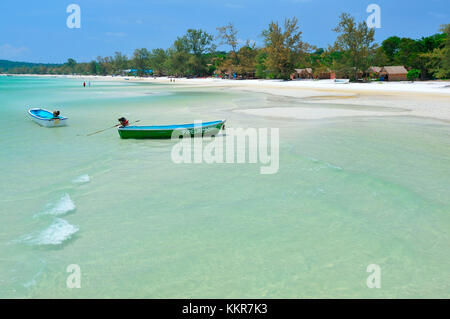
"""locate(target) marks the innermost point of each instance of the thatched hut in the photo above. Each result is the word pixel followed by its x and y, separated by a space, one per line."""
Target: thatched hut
pixel 306 73
pixel 394 73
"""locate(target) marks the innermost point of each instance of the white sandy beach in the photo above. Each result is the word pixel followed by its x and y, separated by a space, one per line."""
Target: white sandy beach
pixel 430 99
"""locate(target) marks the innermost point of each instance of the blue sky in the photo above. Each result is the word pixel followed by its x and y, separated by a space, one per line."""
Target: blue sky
pixel 36 31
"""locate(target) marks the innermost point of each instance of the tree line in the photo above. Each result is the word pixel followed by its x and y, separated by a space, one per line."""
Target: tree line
pixel 195 54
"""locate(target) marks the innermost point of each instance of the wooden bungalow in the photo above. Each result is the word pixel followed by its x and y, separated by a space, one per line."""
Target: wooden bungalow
pixel 394 73
pixel 306 73
pixel 324 74
pixel 328 74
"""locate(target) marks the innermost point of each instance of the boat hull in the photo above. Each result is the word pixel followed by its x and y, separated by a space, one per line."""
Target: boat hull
pixel 167 132
pixel 45 118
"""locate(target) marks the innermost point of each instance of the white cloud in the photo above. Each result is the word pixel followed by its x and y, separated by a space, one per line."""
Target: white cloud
pixel 7 51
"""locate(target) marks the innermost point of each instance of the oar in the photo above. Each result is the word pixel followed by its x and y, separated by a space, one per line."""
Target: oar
pixel 109 128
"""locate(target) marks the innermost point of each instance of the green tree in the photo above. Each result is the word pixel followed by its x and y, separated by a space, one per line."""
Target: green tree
pixel 284 48
pixel 408 53
pixel 104 65
pixel 380 58
pixel 92 67
pixel 158 58
pixel 413 74
pixel 177 60
pixel 437 61
pixel 390 47
pixel 198 43
pixel 189 53
pixel 446 53
pixel 247 57
pixel 423 54
pixel 71 64
pixel 119 62
pixel 260 67
pixel 330 60
pixel 228 36
pixel 355 40
pixel 141 61
pixel 98 69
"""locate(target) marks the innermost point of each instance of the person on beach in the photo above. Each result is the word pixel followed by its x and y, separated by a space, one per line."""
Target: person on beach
pixel 56 114
pixel 123 122
pixel 84 84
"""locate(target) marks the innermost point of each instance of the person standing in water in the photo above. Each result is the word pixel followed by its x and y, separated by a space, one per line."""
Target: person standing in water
pixel 84 84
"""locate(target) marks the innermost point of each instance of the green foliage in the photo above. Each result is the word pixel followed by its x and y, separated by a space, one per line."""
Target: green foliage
pixel 355 40
pixel 402 51
pixel 380 58
pixel 260 68
pixel 71 63
pixel 198 41
pixel 188 56
pixel 284 48
pixel 158 59
pixel 228 35
pixel 178 56
pixel 92 67
pixel 438 60
pixel 413 74
pixel 247 57
pixel 424 54
pixel 141 61
pixel 119 63
pixel 194 54
pixel 25 67
pixel 391 47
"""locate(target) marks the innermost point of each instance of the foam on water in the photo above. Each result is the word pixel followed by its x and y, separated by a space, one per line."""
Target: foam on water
pixel 19 272
pixel 33 280
pixel 61 207
pixel 82 179
pixel 57 233
pixel 322 164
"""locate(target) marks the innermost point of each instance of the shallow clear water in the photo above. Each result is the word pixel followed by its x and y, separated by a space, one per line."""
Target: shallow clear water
pixel 349 193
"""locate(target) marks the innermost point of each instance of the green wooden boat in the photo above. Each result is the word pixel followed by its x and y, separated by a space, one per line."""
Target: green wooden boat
pixel 166 131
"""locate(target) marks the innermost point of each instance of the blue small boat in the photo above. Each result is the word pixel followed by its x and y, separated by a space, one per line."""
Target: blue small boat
pixel 46 118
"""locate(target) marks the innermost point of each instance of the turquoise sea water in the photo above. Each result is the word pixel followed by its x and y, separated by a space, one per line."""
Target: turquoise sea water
pixel 348 193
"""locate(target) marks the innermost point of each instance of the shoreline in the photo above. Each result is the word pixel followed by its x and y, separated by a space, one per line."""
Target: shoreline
pixel 428 99
pixel 433 86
